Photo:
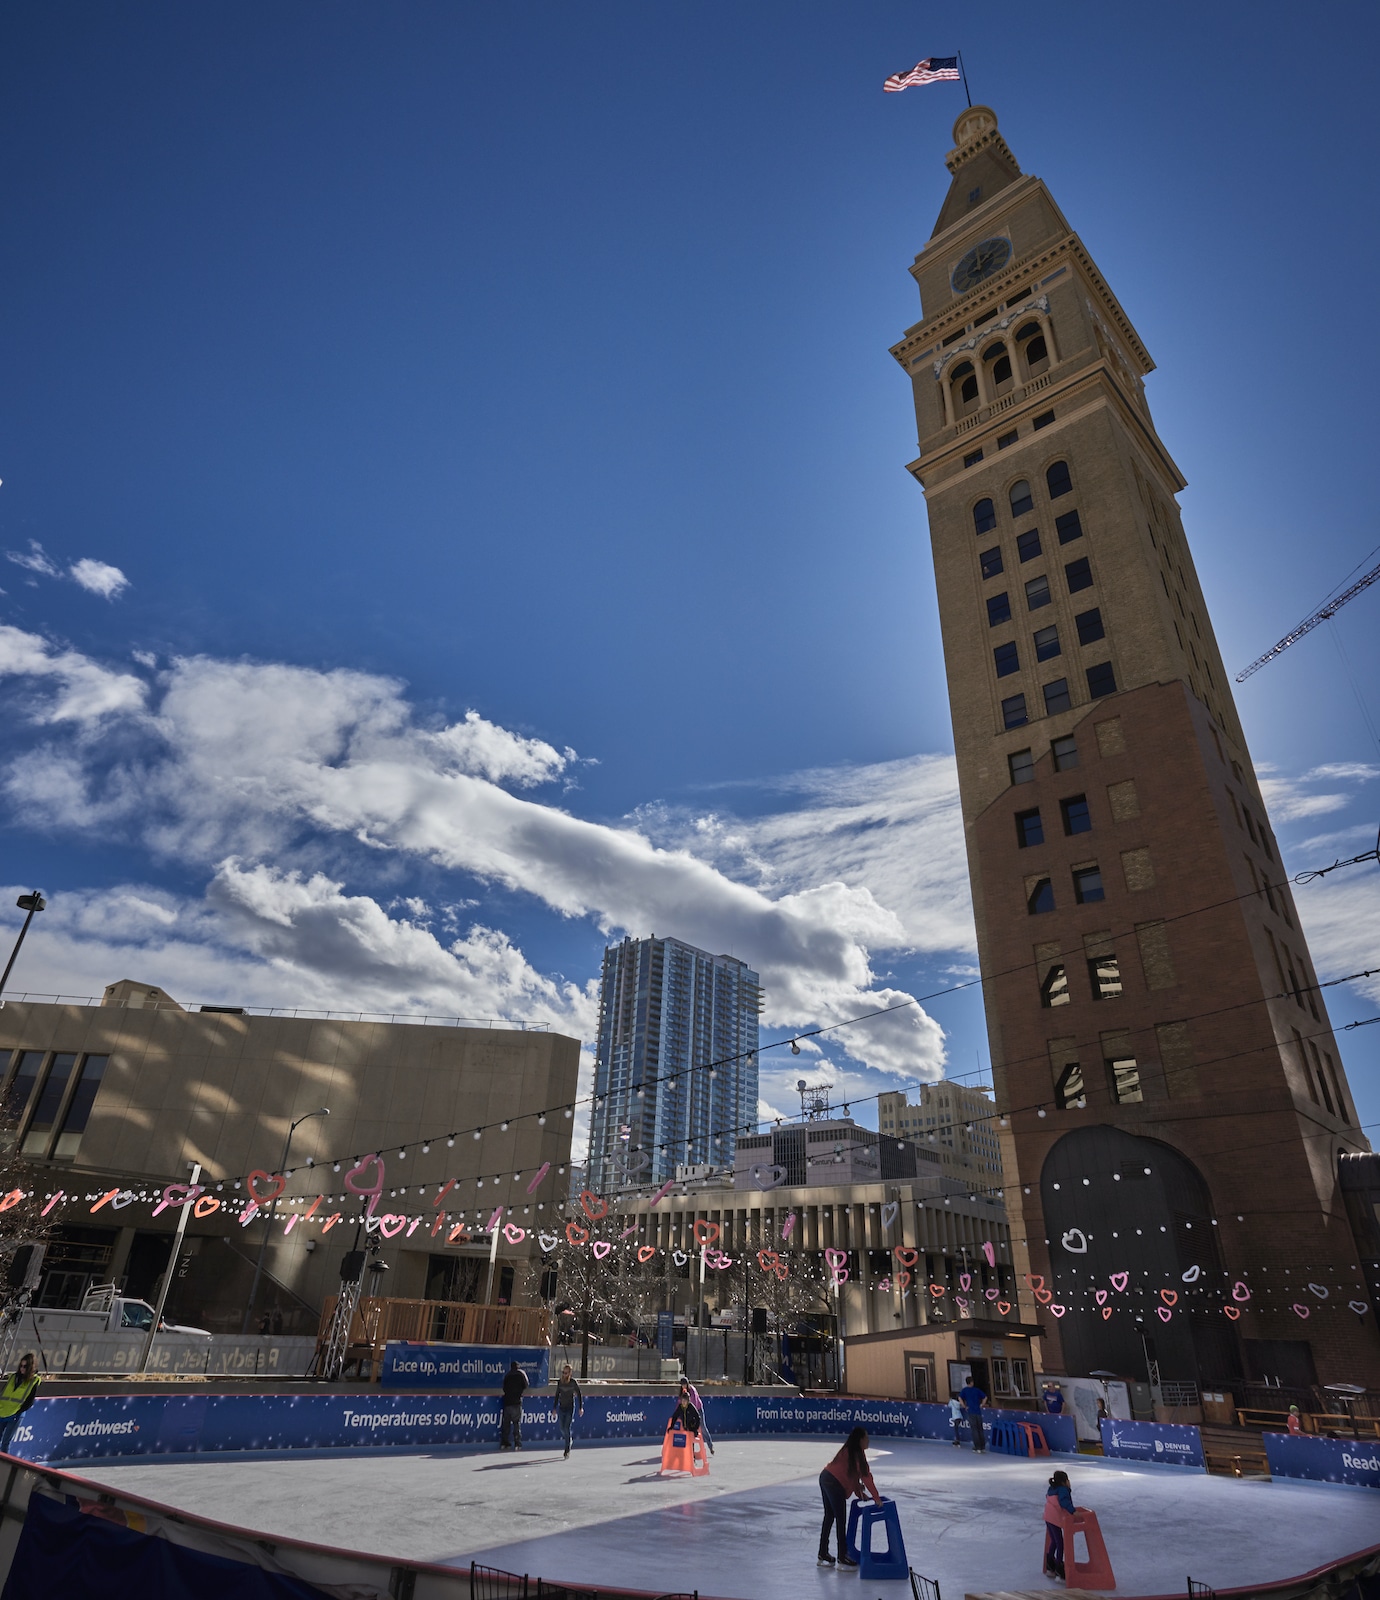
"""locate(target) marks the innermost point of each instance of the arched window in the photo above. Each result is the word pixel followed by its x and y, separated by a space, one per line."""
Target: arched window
pixel 1035 351
pixel 1001 364
pixel 1022 501
pixel 965 386
pixel 1057 477
pixel 984 516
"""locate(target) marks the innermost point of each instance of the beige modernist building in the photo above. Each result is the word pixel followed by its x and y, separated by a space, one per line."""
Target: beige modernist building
pixel 125 1094
pixel 956 1123
pixel 1177 1103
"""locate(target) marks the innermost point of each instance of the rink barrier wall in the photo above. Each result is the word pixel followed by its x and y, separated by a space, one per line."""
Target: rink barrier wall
pixel 1164 1444
pixel 1347 1461
pixel 69 1428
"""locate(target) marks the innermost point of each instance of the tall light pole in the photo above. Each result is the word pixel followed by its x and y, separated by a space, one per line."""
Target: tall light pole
pixel 324 1111
pixel 32 903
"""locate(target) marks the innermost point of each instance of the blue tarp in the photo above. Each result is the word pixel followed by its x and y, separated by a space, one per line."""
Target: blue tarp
pixel 459 1366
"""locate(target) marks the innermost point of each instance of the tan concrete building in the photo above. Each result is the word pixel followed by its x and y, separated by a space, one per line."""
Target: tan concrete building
pixel 125 1094
pixel 1176 1099
pixel 955 1123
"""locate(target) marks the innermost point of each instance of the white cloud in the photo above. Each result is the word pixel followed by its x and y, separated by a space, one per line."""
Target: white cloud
pixel 238 762
pixel 98 577
pixel 35 559
pixel 1341 916
pixel 82 691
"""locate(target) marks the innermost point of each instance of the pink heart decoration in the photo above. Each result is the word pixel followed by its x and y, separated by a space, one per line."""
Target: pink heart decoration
pixel 989 1252
pixel 1119 1280
pixel 1057 1311
pixel 1234 1312
pixel 1101 1297
pixel 645 1253
pixel 1044 1296
pixel 962 1305
pixel 936 1289
pixel 1300 1311
pixel 14 1197
pixel 276 1181
pixel 600 1248
pixel 991 1294
pixel 1240 1292
pixel 903 1278
pixel 1170 1296
pixel 1106 1313
pixel 1004 1306
pixel 1035 1281
pixel 399 1223
pixel 179 1194
pixel 905 1256
pixel 965 1280
pixel 841 1276
pixel 371 1191
pixel 205 1206
pixel 885 1285
pixel 836 1258
pixel 1163 1313
pixel 594 1206
pixel 513 1234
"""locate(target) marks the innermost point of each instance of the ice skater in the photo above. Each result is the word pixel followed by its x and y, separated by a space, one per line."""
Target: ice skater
pixel 956 1417
pixel 690 1392
pixel 514 1387
pixel 973 1400
pixel 848 1473
pixel 568 1396
pixel 1062 1496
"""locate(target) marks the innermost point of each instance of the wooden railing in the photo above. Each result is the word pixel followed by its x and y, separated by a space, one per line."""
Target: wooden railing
pixel 379 1319
pixel 1338 1423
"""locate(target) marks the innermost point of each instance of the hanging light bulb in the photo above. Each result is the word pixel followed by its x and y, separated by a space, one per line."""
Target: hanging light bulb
pixel 503 1127
pixel 450 1143
pixel 402 1153
pixel 541 1120
pixel 336 1167
pixel 426 1149
pixel 570 1111
pixel 478 1132
pixel 795 1047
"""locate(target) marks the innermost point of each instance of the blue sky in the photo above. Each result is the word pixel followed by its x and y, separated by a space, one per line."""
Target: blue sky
pixel 531 361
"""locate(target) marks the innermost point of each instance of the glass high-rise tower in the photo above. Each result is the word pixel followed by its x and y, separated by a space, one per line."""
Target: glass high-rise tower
pixel 675 1075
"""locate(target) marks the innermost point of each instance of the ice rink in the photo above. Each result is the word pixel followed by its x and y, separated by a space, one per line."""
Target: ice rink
pixel 749 1531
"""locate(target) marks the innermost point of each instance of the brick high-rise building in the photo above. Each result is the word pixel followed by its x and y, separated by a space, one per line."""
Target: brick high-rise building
pixel 1177 1104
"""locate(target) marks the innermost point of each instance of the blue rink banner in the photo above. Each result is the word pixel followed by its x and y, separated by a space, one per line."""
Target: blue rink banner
pixel 1172 1444
pixel 1304 1455
pixel 459 1366
pixel 76 1428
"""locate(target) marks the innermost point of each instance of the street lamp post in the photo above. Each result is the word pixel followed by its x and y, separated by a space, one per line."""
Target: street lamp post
pixel 32 903
pixel 324 1111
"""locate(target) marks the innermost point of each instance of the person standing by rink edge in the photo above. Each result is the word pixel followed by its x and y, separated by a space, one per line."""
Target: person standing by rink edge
pixel 1062 1496
pixel 17 1396
pixel 956 1417
pixel 846 1474
pixel 973 1400
pixel 514 1387
pixel 568 1395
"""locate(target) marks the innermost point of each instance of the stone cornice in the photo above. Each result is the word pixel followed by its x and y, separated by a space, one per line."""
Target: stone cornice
pixel 990 140
pixel 923 335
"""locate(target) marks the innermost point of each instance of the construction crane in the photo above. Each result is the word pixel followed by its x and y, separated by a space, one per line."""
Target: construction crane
pixel 1322 614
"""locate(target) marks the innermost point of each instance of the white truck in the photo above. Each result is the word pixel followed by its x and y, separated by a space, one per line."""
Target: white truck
pixel 103 1310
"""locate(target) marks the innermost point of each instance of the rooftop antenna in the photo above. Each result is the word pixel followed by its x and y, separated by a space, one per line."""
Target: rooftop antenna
pixel 814 1100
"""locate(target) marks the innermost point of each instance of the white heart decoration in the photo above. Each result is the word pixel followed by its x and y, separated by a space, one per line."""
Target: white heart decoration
pixel 600 1248
pixel 679 1257
pixel 122 1199
pixel 890 1211
pixel 766 1176
pixel 1360 1307
pixel 1319 1289
pixel 1075 1249
pixel 1193 1274
pixel 1058 1311
pixel 548 1242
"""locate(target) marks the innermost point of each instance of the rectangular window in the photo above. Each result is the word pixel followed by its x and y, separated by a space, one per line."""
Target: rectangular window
pixel 40 1129
pixel 1087 886
pixel 1040 898
pixel 1124 1077
pixel 1057 696
pixel 1006 439
pixel 1078 575
pixel 1047 644
pixel 1068 1086
pixel 79 1106
pixel 1337 1085
pixel 998 609
pixel 1104 973
pixel 1065 753
pixel 1021 765
pixel 1006 659
pixel 1037 594
pixel 1068 527
pixel 22 1083
pixel 1013 713
pixel 1101 680
pixel 1054 990
pixel 1089 625
pixel 1043 420
pixel 1029 828
pixel 991 562
pixel 1001 1375
pixel 1028 544
pixel 1077 817
pixel 972 458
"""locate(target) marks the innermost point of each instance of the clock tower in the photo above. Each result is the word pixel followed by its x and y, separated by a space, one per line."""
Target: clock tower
pixel 1174 1111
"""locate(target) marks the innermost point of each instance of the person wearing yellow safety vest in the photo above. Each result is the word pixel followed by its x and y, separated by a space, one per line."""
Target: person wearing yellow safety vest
pixel 17 1396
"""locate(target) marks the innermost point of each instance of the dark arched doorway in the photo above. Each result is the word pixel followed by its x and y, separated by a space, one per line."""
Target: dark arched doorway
pixel 1142 1209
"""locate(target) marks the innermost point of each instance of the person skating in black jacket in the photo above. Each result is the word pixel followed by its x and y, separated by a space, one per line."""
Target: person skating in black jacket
pixel 514 1387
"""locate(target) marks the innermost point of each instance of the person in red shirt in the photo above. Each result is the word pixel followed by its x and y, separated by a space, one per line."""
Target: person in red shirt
pixel 846 1474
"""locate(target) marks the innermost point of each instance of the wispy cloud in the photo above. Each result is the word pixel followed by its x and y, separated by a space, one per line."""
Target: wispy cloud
pixel 35 559
pixel 96 577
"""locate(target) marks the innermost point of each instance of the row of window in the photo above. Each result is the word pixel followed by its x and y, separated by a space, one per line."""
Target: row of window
pixel 1007 439
pixel 1087 888
pixel 49 1095
pixel 998 369
pixel 1123 1083
pixel 1104 978
pixel 1069 527
pixel 1088 625
pixel 1021 763
pixel 1057 480
pixel 1077 574
pixel 1340 1109
pixel 1030 829
pixel 1101 681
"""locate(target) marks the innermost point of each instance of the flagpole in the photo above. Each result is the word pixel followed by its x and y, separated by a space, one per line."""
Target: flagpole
pixel 963 73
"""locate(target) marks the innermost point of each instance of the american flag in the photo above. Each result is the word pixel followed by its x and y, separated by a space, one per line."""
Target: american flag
pixel 933 69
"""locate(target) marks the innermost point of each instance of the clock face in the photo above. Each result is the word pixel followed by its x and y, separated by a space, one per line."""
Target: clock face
pixel 981 262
